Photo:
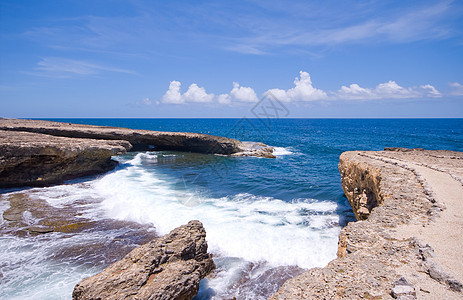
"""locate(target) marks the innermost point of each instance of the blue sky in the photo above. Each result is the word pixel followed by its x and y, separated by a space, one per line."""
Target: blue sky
pixel 219 58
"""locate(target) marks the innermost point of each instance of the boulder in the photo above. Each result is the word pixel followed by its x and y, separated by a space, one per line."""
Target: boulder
pixel 169 267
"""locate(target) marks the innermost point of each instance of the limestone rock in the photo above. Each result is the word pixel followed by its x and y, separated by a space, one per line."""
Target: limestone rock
pixel 141 140
pixel 39 159
pixel 169 267
pixel 386 195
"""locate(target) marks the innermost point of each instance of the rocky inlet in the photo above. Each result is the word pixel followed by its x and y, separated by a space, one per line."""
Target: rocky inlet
pixel 39 153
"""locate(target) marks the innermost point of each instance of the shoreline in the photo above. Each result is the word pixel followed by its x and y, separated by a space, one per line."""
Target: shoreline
pixel 404 242
pixel 40 153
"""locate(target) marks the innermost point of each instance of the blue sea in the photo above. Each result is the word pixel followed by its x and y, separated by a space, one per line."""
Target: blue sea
pixel 266 219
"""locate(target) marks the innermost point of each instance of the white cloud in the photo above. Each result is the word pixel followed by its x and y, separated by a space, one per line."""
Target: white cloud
pixel 197 94
pixel 302 91
pixel 243 94
pixel 193 94
pixel 387 90
pixel 224 99
pixel 457 89
pixel 173 95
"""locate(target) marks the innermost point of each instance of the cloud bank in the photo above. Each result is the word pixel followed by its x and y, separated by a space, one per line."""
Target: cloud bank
pixel 304 91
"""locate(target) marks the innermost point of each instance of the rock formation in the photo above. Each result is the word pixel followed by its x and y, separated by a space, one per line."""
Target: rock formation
pixel 38 159
pixel 39 153
pixel 169 267
pixel 141 140
pixel 406 245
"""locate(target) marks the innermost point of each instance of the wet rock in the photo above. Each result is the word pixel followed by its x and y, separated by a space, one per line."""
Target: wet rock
pixel 169 267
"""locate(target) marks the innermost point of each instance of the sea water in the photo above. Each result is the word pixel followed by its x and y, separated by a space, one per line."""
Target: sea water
pixel 266 219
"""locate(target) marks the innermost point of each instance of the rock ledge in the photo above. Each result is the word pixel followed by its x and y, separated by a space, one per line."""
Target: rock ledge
pixel 389 252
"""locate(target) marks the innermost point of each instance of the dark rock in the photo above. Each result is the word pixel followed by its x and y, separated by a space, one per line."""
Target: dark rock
pixel 169 267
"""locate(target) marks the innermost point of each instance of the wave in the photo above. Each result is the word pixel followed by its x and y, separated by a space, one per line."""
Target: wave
pixel 280 151
pixel 251 227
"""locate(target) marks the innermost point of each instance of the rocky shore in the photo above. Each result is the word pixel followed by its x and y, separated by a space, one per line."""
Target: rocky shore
pixel 39 153
pixel 169 267
pixel 408 239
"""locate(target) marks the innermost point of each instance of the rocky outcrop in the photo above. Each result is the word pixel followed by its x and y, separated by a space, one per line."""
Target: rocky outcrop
pixel 169 267
pixel 360 182
pixel 38 159
pixel 389 252
pixel 39 153
pixel 141 140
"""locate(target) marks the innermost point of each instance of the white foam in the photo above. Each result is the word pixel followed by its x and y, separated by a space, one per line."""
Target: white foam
pixel 30 272
pixel 241 228
pixel 280 151
pixel 243 225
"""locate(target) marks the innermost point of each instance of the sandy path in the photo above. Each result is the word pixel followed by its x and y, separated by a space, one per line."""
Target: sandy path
pixel 445 234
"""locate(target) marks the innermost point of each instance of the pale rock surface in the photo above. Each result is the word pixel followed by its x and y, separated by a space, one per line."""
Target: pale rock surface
pixel 409 203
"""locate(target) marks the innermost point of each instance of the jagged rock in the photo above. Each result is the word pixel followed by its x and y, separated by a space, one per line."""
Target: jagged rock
pixel 169 267
pixel 39 159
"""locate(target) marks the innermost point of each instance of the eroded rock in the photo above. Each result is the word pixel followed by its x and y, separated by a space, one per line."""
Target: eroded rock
pixel 169 267
pixel 387 195
pixel 38 159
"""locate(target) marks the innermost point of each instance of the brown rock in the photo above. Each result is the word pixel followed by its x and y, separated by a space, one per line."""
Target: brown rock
pixel 39 159
pixel 141 140
pixel 166 268
pixel 389 197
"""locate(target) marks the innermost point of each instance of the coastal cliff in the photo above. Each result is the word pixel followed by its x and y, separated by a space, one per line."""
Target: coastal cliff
pixel 40 153
pixel 169 267
pixel 408 238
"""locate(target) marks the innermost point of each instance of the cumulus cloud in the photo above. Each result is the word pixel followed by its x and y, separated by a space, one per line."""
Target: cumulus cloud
pixel 243 94
pixel 197 94
pixel 303 90
pixel 457 88
pixel 387 90
pixel 193 94
pixel 224 99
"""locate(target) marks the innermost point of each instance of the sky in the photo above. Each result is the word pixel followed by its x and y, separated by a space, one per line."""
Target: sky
pixel 216 59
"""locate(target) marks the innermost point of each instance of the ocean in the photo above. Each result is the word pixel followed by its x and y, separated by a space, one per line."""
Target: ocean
pixel 266 219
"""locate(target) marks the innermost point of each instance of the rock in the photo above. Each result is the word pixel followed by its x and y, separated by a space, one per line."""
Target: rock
pixel 386 195
pixel 403 289
pixel 37 159
pixel 169 267
pixel 255 149
pixel 39 153
pixel 141 140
